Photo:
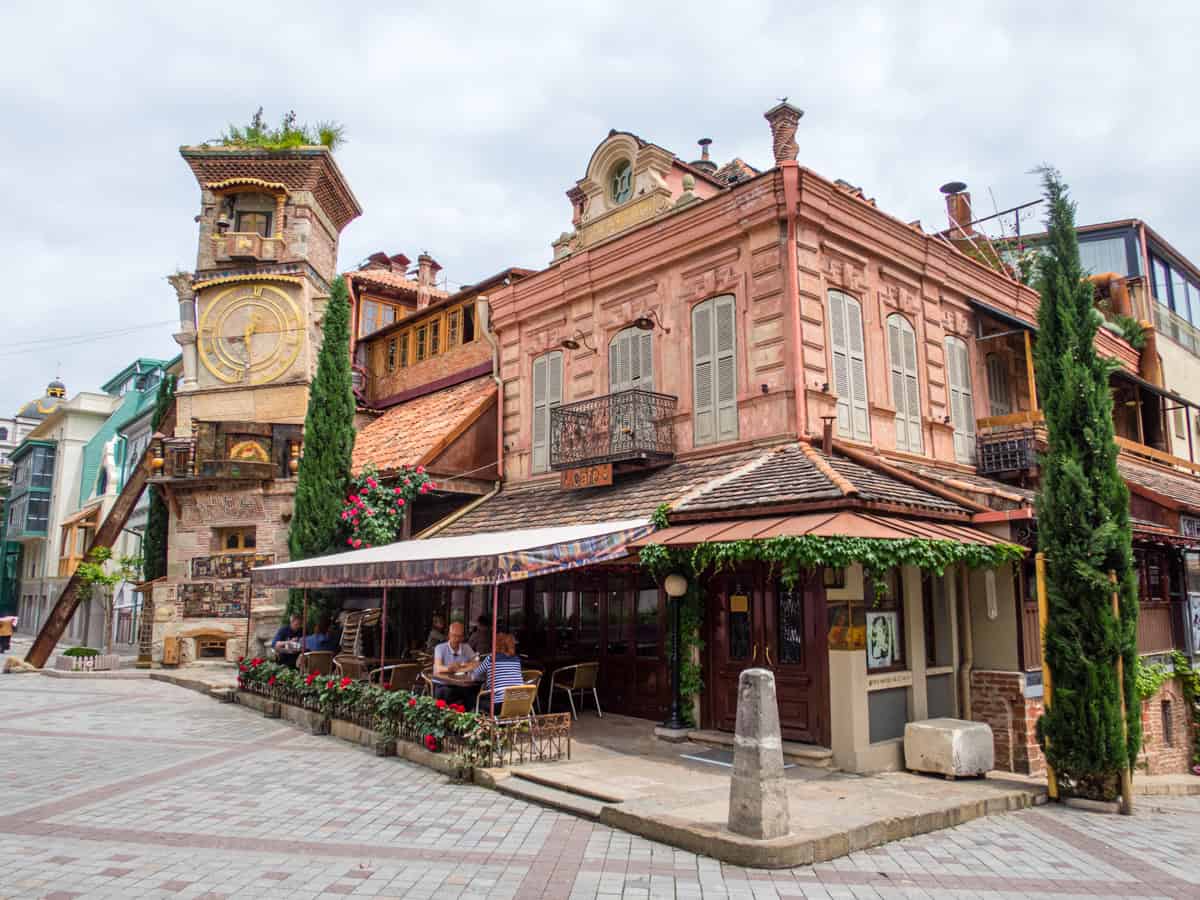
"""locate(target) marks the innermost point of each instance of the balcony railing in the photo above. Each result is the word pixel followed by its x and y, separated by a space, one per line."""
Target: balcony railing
pixel 248 245
pixel 630 426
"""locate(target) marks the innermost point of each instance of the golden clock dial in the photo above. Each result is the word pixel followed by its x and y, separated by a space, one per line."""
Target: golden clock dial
pixel 250 334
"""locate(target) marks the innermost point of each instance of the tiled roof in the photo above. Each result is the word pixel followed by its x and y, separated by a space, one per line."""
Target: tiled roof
pixel 735 170
pixel 631 496
pixel 1177 486
pixel 386 278
pixel 801 473
pixel 413 432
pixel 997 494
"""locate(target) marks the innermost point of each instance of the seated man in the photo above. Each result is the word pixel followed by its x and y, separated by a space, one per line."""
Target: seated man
pixel 453 657
pixel 508 669
pixel 321 639
pixel 481 635
pixel 288 631
pixel 437 633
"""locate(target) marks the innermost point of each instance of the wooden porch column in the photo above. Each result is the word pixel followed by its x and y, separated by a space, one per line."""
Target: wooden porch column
pixel 1033 401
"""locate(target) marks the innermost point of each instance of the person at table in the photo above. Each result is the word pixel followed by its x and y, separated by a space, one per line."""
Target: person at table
pixel 452 658
pixel 481 635
pixel 437 633
pixel 508 668
pixel 288 631
pixel 322 639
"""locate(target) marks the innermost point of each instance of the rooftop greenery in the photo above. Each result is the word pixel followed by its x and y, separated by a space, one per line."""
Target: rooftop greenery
pixel 287 135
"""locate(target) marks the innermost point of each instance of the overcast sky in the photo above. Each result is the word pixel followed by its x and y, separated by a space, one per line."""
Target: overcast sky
pixel 466 123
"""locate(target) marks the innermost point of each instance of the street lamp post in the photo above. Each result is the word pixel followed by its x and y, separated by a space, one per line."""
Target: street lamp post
pixel 675 586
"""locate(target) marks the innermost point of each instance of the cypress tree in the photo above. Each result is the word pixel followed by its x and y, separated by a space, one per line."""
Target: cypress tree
pixel 154 543
pixel 324 473
pixel 1083 528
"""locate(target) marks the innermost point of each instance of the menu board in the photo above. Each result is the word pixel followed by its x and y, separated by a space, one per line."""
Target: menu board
pixel 229 565
pixel 214 600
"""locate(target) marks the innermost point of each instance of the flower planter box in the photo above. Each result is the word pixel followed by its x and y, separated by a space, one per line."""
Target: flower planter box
pixel 104 662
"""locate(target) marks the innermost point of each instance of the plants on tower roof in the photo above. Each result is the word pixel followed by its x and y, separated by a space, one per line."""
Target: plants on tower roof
pixel 287 135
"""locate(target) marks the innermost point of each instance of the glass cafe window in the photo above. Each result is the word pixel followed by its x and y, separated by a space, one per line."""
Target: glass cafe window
pixel 1104 255
pixel 43 467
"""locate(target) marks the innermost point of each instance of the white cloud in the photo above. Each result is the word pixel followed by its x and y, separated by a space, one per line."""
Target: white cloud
pixel 468 121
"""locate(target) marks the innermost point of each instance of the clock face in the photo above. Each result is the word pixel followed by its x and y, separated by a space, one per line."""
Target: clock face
pixel 250 334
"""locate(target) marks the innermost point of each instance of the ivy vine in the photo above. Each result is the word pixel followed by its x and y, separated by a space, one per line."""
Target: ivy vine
pixel 1150 678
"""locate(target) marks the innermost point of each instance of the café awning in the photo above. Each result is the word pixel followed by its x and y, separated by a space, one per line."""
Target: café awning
pixel 471 559
pixel 824 524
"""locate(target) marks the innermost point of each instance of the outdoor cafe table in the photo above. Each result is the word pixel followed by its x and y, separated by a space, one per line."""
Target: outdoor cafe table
pixel 465 686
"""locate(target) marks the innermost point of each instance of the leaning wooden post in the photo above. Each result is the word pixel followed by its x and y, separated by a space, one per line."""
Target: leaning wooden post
pixel 1039 566
pixel 1126 771
pixel 492 667
pixel 249 600
pixel 382 635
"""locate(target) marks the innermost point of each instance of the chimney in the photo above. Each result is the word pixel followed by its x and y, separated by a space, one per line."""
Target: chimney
pixel 427 269
pixel 958 208
pixel 704 164
pixel 827 434
pixel 783 119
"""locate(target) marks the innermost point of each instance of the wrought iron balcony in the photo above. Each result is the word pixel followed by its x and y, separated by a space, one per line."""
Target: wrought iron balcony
pixel 1006 452
pixel 630 426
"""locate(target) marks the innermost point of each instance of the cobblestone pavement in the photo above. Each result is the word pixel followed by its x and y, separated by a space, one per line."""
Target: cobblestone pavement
pixel 141 789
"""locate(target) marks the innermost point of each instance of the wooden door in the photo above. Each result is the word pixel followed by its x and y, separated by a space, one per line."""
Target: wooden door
pixel 780 630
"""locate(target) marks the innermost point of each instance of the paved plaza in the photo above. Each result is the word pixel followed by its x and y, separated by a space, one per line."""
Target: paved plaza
pixel 135 788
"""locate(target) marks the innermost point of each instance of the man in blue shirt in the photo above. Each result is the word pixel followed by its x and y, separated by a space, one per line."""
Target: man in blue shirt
pixel 452 658
pixel 288 631
pixel 321 639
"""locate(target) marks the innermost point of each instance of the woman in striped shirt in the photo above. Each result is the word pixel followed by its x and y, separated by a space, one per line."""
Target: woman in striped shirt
pixel 508 668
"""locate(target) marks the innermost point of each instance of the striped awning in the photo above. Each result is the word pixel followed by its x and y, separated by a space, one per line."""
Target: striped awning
pixel 825 524
pixel 470 559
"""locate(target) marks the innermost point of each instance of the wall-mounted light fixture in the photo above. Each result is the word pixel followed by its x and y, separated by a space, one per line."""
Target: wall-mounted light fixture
pixel 649 320
pixel 575 341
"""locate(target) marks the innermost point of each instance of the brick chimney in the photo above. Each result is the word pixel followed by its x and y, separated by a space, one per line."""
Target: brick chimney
pixel 958 208
pixel 427 269
pixel 704 163
pixel 783 119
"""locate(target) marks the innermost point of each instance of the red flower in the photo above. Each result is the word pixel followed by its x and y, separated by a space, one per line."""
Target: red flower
pixel 357 543
pixel 353 498
pixel 243 668
pixel 412 701
pixel 350 541
pixel 240 658
pixel 346 682
pixel 329 685
pixel 312 676
pixel 373 483
pixel 431 743
pixel 458 708
pixel 441 704
pixel 271 680
pixel 257 661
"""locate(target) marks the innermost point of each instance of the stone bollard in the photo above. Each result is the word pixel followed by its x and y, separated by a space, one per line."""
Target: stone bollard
pixel 758 803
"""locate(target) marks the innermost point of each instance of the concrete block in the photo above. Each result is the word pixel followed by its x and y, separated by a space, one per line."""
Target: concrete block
pixel 950 747
pixel 758 801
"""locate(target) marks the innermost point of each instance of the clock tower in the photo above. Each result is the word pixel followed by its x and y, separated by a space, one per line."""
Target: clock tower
pixel 250 324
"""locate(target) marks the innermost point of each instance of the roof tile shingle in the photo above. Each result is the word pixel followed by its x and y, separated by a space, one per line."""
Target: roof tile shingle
pixel 407 434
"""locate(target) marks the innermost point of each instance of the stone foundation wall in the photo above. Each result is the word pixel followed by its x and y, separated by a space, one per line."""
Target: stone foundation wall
pixel 998 698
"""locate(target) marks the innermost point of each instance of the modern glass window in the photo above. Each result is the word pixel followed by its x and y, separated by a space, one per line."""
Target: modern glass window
pixel 249 222
pixel 906 385
pixel 42 459
pixel 547 394
pixel 1179 295
pixel 1104 255
pixel 38 518
pixel 1162 281
pixel 962 402
pixel 849 366
pixel 714 371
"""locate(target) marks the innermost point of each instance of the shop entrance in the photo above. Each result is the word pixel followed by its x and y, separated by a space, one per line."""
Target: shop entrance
pixel 756 625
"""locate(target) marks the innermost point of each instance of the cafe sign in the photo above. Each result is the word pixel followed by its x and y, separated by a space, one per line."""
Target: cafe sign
pixel 587 477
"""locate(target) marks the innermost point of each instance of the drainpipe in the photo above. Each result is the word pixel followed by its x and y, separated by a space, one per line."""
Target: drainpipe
pixel 790 170
pixel 966 644
pixel 484 318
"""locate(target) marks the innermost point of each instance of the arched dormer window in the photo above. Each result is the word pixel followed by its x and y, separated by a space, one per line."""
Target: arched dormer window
pixel 620 182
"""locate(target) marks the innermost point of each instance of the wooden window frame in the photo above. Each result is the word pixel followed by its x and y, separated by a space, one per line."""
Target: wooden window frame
pixel 239 532
pixel 267 218
pixel 390 354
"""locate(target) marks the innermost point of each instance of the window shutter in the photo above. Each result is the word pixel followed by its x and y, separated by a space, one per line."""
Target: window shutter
pixel 630 364
pixel 906 390
pixel 899 396
pixel 617 357
pixel 703 406
pixel 645 341
pixel 726 353
pixel 541 415
pixel 962 411
pixel 841 361
pixel 914 387
pixel 999 392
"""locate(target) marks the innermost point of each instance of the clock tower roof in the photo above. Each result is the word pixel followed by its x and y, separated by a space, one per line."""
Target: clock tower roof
pixel 310 169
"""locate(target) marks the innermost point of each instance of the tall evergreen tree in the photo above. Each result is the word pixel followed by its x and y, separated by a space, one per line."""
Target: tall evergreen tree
pixel 1083 527
pixel 154 544
pixel 328 442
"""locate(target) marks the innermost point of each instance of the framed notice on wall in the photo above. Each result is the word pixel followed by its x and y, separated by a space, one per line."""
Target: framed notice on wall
pixel 883 649
pixel 1194 620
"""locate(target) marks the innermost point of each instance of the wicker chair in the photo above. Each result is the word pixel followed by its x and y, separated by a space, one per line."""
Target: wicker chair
pixel 424 683
pixel 581 677
pixel 349 666
pixel 400 677
pixel 319 661
pixel 517 703
pixel 534 677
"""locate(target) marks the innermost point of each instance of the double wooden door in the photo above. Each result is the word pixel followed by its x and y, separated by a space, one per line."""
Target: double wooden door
pixel 766 625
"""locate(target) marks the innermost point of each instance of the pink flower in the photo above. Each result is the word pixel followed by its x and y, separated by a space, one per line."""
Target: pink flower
pixel 420 470
pixel 407 483
pixel 391 512
pixel 350 541
pixel 431 485
pixel 372 483
pixel 370 512
pixel 357 543
pixel 397 491
pixel 353 498
pixel 400 503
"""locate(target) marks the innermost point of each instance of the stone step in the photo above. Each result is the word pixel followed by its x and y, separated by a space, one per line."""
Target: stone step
pixel 809 755
pixel 551 782
pixel 543 795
